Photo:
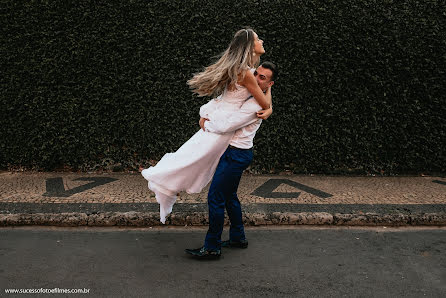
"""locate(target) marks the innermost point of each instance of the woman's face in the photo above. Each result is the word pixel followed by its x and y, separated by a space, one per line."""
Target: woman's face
pixel 258 45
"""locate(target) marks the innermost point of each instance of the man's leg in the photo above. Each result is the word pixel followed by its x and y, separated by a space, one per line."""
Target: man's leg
pixel 221 193
pixel 240 160
pixel 216 204
pixel 236 231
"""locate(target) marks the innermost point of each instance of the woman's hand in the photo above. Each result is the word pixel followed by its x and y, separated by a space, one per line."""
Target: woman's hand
pixel 201 122
pixel 264 114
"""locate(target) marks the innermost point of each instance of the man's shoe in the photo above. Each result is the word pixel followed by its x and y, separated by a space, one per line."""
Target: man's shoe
pixel 204 253
pixel 238 244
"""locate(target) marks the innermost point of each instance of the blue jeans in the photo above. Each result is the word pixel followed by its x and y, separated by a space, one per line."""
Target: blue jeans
pixel 223 193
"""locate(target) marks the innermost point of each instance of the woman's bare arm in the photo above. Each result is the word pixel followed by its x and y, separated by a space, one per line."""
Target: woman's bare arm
pixel 264 100
pixel 264 114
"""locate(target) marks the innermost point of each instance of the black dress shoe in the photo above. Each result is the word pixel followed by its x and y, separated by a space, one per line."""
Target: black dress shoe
pixel 239 244
pixel 204 253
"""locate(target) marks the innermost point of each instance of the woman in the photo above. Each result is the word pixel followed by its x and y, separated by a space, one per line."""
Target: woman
pixel 192 166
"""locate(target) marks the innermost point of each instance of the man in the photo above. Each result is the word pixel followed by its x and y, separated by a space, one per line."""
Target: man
pixel 223 190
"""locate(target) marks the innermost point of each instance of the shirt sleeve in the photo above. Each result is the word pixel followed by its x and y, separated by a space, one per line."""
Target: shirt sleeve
pixel 222 122
pixel 208 108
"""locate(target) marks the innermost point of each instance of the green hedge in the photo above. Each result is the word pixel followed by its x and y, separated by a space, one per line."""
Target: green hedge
pixel 102 84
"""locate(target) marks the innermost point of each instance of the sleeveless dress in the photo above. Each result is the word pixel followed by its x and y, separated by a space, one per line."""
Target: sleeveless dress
pixel 193 165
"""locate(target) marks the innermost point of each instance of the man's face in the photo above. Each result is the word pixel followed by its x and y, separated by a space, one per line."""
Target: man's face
pixel 263 77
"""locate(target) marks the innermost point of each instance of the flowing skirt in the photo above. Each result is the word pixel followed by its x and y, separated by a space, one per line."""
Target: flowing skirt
pixel 188 169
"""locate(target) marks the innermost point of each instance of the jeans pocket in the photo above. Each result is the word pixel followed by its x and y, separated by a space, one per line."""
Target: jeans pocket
pixel 242 157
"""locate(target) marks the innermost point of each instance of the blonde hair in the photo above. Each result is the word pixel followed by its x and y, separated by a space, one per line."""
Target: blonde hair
pixel 238 57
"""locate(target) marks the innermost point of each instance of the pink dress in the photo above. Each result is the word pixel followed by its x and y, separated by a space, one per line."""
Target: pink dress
pixel 192 166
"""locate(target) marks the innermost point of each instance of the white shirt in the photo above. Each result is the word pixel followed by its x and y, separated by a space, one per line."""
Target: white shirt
pixel 244 122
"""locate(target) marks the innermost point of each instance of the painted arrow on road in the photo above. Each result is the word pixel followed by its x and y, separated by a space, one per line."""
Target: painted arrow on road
pixel 266 190
pixel 55 187
pixel 439 182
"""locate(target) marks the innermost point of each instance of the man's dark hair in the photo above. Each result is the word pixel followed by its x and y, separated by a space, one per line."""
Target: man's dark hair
pixel 271 66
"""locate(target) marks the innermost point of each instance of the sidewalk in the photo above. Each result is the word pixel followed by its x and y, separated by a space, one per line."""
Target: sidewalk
pixel 122 199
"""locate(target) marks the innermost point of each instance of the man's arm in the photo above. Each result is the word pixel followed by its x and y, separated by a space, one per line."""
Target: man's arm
pixel 222 122
pixel 209 107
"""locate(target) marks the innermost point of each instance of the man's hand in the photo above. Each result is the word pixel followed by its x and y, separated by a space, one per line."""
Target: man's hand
pixel 264 114
pixel 202 122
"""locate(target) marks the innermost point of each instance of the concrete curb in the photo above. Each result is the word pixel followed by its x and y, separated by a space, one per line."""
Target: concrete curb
pixel 140 219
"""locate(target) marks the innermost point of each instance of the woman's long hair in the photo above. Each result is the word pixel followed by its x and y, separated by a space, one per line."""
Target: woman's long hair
pixel 237 57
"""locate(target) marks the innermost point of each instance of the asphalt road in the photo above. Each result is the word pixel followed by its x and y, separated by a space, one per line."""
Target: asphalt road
pixel 280 262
